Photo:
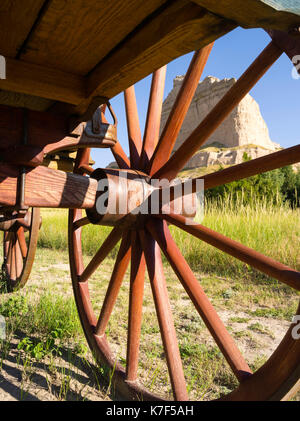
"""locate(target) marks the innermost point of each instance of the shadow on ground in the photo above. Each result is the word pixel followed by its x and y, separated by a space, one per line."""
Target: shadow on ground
pixel 64 377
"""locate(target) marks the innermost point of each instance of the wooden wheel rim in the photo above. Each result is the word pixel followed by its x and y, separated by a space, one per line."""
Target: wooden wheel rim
pixel 27 256
pixel 260 386
pixel 278 378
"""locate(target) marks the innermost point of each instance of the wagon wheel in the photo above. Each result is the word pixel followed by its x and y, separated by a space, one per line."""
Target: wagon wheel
pixel 144 239
pixel 19 247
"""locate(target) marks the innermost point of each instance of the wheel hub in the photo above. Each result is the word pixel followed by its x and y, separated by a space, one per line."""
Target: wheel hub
pixel 131 196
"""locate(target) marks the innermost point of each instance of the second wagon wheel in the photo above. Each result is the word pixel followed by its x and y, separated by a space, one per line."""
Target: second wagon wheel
pixel 19 247
pixel 143 238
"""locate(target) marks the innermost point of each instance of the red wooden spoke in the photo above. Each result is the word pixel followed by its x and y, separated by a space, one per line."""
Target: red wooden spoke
pixel 101 254
pixel 209 315
pixel 19 260
pixel 6 243
pixel 75 241
pixel 81 223
pixel 237 172
pixel 133 127
pixel 117 150
pixel 266 163
pixel 136 295
pixel 218 114
pixel 13 272
pixel 115 283
pixel 22 241
pixel 82 159
pixel 257 260
pixel 164 315
pixel 86 169
pixel 152 127
pixel 9 253
pixel 180 108
pixel 120 156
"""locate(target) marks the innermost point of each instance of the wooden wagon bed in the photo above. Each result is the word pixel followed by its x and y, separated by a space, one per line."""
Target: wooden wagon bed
pixel 61 54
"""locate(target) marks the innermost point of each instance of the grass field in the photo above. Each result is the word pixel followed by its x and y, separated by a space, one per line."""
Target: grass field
pixel 45 334
pixel 274 231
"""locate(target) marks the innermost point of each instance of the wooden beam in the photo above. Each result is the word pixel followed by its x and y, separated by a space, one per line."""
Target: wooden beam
pixel 288 43
pixel 74 35
pixel 179 28
pixel 47 131
pixel 40 81
pixel 16 20
pixel 279 14
pixel 47 188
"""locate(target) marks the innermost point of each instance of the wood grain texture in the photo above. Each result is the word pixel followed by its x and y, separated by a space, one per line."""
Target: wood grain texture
pixel 180 28
pixel 74 35
pixel 135 312
pixel 164 315
pixel 153 120
pixel 15 99
pixel 133 126
pixel 42 81
pixel 16 20
pixel 48 188
pixel 268 14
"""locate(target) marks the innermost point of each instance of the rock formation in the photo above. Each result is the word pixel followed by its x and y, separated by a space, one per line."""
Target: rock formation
pixel 244 129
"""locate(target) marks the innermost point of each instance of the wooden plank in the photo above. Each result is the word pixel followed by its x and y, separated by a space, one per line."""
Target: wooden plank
pixel 268 14
pixel 33 79
pixel 46 131
pixel 16 20
pixel 180 28
pixel 74 35
pixel 48 188
pixel 15 99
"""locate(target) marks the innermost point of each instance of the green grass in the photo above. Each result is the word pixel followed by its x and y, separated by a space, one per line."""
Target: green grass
pixel 54 233
pixel 271 230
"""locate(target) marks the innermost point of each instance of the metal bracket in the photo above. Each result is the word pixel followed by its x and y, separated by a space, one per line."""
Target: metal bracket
pixel 98 128
pixel 88 115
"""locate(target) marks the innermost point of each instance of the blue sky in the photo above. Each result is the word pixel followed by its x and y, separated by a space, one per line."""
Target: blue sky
pixel 277 93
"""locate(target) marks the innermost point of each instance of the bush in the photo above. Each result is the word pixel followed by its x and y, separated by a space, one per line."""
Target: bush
pixel 276 187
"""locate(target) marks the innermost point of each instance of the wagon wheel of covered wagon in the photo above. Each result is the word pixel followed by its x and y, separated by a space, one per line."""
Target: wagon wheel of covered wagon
pixel 143 238
pixel 20 238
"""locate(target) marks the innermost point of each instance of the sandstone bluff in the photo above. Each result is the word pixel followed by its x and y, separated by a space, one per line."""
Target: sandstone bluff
pixel 244 131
